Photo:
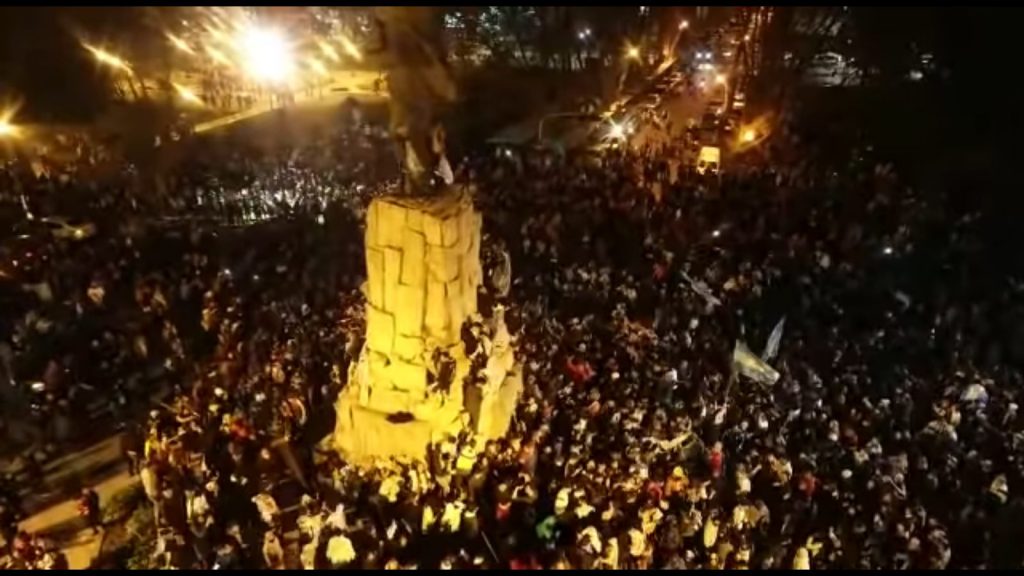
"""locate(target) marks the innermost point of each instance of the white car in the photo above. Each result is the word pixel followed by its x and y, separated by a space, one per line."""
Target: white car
pixel 67 229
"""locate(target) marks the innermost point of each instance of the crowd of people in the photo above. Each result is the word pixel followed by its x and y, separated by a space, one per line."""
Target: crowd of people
pixel 889 439
pixel 101 329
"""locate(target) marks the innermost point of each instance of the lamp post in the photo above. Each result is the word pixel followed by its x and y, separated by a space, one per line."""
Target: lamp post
pixel 683 25
pixel 116 63
pixel 632 55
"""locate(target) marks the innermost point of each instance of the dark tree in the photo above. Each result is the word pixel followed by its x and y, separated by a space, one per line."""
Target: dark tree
pixel 46 69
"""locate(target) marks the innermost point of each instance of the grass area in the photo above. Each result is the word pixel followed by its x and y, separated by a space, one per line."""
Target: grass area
pixel 130 539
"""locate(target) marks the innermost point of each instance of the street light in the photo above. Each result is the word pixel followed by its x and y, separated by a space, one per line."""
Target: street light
pixel 266 54
pixel 351 49
pixel 684 24
pixel 720 79
pixel 218 56
pixel 180 44
pixel 7 130
pixel 633 52
pixel 108 59
pixel 617 131
pixel 317 66
pixel 186 94
pixel 748 136
pixel 329 51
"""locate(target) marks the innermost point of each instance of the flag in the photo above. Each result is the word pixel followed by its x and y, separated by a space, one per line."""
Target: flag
pixel 772 347
pixel 903 298
pixel 501 275
pixel 444 170
pixel 701 288
pixel 746 363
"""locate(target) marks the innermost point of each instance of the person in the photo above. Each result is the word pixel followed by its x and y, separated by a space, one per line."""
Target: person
pixel 273 553
pixel 132 441
pixel 89 509
pixel 8 525
pixel 227 557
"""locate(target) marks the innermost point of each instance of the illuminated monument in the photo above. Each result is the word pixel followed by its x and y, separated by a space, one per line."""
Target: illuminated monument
pixel 409 386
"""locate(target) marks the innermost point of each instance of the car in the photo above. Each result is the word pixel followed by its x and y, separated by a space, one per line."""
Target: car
pixel 739 101
pixel 729 125
pixel 22 256
pixel 734 117
pixel 68 229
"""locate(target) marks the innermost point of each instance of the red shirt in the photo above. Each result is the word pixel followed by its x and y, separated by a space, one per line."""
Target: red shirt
pixel 524 564
pixel 503 511
pixel 579 370
pixel 654 490
pixel 240 430
pixel 808 484
pixel 660 270
pixel 715 463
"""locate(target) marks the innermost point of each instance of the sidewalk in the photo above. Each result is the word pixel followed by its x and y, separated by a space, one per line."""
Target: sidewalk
pixel 100 467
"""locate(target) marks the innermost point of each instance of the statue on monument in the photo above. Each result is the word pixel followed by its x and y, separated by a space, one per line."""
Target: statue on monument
pixel 420 86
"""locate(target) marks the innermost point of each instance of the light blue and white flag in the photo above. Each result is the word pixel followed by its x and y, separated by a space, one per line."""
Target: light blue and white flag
pixel 772 347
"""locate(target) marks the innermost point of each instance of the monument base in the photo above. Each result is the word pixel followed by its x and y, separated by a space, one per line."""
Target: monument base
pixel 408 388
pixel 364 435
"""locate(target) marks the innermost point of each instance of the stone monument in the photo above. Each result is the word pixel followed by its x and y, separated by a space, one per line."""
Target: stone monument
pixel 409 386
pixel 423 272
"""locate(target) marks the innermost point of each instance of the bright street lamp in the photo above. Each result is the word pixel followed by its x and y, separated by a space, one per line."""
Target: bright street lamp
pixel 180 44
pixel 633 52
pixel 351 49
pixel 266 55
pixel 108 59
pixel 617 131
pixel 318 67
pixel 187 95
pixel 218 56
pixel 7 130
pixel 329 51
pixel 684 24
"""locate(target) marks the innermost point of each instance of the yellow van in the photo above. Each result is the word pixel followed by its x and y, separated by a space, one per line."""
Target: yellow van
pixel 709 160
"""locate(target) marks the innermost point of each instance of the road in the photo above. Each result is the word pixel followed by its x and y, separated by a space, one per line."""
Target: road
pixel 717 84
pixel 340 87
pixel 680 109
